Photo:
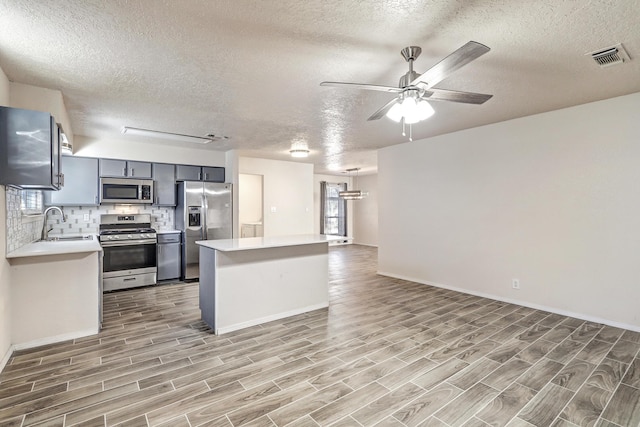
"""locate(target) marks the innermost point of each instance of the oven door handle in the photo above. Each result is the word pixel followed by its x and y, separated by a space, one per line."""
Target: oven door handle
pixel 128 243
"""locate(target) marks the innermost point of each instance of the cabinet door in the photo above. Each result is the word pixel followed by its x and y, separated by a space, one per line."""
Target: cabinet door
pixel 138 169
pixel 212 174
pixel 80 183
pixel 169 263
pixel 113 168
pixel 29 149
pixel 164 184
pixel 188 173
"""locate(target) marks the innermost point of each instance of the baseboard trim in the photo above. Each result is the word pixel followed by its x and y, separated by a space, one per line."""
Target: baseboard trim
pixel 54 339
pixel 6 358
pixel 271 318
pixel 582 316
pixel 365 244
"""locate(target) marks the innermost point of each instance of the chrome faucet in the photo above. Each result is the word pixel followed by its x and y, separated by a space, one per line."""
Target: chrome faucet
pixel 45 232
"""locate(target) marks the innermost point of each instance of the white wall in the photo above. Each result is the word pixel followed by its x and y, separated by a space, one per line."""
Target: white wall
pixel 42 99
pixel 365 212
pixel 550 199
pixel 335 179
pixel 288 187
pixel 132 149
pixel 5 296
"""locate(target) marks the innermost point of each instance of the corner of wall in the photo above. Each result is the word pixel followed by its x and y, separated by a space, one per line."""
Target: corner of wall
pixel 5 287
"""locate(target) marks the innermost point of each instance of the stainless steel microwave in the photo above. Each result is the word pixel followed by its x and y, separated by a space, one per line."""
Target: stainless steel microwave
pixel 126 190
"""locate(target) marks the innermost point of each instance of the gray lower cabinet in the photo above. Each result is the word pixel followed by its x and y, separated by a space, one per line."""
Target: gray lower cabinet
pixel 80 183
pixel 169 262
pixel 164 177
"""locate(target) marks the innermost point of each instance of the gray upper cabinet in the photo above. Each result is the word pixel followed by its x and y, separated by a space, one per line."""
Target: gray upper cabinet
pixel 188 173
pixel 124 169
pixel 199 173
pixel 212 174
pixel 164 177
pixel 29 149
pixel 80 186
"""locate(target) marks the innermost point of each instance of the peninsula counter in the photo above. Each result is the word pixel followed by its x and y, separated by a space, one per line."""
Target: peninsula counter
pixel 250 281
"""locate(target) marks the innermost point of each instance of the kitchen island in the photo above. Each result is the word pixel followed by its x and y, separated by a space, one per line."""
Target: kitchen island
pixel 250 281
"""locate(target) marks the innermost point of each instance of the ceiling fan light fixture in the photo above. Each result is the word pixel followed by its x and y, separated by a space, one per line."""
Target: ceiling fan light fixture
pixel 395 112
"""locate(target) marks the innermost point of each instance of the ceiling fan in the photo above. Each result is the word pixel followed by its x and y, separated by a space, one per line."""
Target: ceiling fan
pixel 411 106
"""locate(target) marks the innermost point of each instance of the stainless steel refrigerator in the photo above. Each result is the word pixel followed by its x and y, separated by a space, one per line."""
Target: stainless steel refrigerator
pixel 203 213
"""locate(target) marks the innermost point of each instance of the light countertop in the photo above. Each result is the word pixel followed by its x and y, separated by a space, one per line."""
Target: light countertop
pixel 56 248
pixel 230 245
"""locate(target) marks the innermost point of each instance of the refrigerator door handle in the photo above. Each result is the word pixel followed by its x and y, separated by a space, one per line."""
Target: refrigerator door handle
pixel 205 208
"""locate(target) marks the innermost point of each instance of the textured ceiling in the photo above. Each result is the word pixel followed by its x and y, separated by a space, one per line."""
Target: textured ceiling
pixel 250 69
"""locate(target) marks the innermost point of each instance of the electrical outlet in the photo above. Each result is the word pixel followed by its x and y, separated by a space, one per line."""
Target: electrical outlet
pixel 515 284
pixel 85 217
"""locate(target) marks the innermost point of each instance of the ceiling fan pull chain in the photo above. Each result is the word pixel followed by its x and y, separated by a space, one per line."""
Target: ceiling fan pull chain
pixel 403 132
pixel 410 132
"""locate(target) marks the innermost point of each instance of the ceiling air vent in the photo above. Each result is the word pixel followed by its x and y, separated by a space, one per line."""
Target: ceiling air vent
pixel 610 56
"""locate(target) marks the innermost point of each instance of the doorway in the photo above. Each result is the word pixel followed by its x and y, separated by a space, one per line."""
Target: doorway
pixel 251 205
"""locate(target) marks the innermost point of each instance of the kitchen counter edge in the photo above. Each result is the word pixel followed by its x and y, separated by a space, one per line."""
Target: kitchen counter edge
pixel 248 243
pixel 40 248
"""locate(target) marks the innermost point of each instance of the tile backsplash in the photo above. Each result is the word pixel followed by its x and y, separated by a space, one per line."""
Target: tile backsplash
pixel 23 229
pixel 86 219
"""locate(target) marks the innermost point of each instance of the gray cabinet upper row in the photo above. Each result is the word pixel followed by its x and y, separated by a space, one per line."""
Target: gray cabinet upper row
pixel 124 169
pixel 82 179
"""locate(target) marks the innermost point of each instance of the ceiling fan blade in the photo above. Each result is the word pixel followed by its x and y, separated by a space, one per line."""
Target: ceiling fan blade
pixel 381 112
pixel 456 96
pixel 363 86
pixel 459 58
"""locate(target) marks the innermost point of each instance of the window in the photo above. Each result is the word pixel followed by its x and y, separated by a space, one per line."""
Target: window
pixel 31 202
pixel 333 215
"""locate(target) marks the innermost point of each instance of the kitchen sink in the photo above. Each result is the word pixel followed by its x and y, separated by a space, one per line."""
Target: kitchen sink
pixel 68 238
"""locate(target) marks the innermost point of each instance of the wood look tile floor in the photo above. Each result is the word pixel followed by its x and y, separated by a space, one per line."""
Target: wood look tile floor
pixel 387 352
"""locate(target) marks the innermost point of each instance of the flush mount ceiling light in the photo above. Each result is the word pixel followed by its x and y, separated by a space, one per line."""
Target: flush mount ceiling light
pixel 353 194
pixel 299 152
pixel 166 135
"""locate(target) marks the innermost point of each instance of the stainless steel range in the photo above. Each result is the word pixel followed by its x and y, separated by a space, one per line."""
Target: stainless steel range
pixel 129 246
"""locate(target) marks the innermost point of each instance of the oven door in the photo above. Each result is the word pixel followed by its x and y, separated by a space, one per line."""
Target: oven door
pixel 129 257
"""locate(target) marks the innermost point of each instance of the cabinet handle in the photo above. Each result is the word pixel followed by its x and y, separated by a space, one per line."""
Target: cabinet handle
pixel 124 171
pixel 206 176
pixel 199 176
pixel 133 172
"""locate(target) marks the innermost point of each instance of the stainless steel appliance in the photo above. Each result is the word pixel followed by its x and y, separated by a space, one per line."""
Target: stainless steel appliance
pixel 129 248
pixel 126 190
pixel 203 213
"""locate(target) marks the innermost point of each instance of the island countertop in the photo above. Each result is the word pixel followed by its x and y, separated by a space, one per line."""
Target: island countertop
pixel 248 243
